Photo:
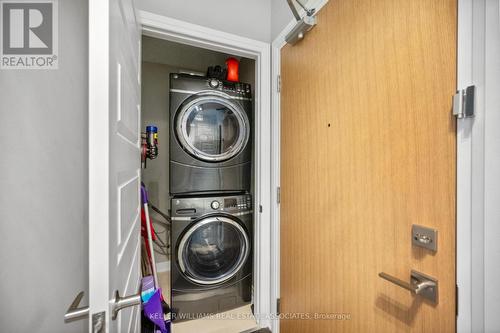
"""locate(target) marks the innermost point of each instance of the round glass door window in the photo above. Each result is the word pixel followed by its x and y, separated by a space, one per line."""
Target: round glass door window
pixel 213 250
pixel 212 128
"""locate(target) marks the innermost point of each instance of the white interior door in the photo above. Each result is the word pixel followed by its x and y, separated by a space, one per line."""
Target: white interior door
pixel 114 164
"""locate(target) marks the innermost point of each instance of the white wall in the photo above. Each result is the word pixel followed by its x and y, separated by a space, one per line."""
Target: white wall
pixel 257 19
pixel 43 185
pixel 281 15
pixel 247 18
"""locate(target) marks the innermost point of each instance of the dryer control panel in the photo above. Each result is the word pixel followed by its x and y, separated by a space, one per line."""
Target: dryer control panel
pixel 232 88
pixel 184 83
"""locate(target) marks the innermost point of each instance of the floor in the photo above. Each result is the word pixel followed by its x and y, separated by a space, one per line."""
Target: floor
pixel 220 324
pixel 164 280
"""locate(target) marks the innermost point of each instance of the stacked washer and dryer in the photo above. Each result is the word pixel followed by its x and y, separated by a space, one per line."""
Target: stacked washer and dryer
pixel 210 185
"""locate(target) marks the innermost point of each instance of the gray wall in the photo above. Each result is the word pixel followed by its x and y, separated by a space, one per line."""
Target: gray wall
pixel 161 51
pixel 154 108
pixel 248 18
pixel 155 112
pixel 43 185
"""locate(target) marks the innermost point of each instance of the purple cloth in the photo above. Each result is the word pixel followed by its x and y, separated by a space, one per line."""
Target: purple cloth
pixel 154 311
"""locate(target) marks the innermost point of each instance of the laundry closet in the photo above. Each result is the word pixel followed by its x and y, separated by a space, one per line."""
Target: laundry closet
pixel 197 116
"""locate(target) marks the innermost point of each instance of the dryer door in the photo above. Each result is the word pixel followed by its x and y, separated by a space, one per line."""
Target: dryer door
pixel 213 250
pixel 212 128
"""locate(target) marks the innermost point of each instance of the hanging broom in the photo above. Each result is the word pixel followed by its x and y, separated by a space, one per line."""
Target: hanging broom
pixel 155 306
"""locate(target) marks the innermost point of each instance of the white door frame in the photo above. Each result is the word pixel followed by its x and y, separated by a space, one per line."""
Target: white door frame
pixel 465 161
pixel 464 172
pixel 478 145
pixel 167 28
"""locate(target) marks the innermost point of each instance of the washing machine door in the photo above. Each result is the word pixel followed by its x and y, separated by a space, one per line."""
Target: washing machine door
pixel 213 250
pixel 212 128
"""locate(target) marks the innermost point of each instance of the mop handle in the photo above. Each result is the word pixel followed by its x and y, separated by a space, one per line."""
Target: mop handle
pixel 144 197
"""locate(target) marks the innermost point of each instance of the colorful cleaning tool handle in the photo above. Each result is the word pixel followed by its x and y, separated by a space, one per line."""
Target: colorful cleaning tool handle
pixel 144 194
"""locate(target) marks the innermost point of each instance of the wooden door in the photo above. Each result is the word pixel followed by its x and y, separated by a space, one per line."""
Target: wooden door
pixel 368 149
pixel 114 154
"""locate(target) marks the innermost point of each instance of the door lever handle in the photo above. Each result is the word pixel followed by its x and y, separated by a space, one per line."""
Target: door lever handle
pixel 420 284
pixel 74 312
pixel 124 302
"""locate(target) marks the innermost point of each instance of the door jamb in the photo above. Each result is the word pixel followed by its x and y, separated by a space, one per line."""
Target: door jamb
pixel 98 159
pixel 464 166
pixel 167 28
pixel 464 172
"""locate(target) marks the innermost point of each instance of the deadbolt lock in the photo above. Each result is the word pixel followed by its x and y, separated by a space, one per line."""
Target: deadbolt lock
pixel 424 237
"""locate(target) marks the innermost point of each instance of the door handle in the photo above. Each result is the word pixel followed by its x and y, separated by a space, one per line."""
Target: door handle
pixel 420 284
pixel 120 303
pixel 74 312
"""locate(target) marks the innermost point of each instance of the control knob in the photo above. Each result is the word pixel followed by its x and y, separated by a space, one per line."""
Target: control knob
pixel 213 83
pixel 215 204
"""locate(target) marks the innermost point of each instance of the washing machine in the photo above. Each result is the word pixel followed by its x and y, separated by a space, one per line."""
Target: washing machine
pixel 210 135
pixel 211 269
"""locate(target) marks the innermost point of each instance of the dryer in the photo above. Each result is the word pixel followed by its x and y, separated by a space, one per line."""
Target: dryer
pixel 210 135
pixel 211 260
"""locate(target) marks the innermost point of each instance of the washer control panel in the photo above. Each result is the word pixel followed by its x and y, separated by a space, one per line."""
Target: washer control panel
pixel 238 203
pixel 193 207
pixel 232 203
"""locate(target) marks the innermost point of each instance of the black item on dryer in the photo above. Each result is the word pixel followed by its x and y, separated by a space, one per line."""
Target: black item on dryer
pixel 217 72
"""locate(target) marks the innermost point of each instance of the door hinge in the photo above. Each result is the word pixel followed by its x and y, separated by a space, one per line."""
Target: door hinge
pixel 456 300
pixel 278 195
pixel 278 83
pixel 260 208
pixel 463 102
pixel 278 306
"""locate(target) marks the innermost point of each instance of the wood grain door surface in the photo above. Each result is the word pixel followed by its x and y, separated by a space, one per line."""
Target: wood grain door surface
pixel 368 149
